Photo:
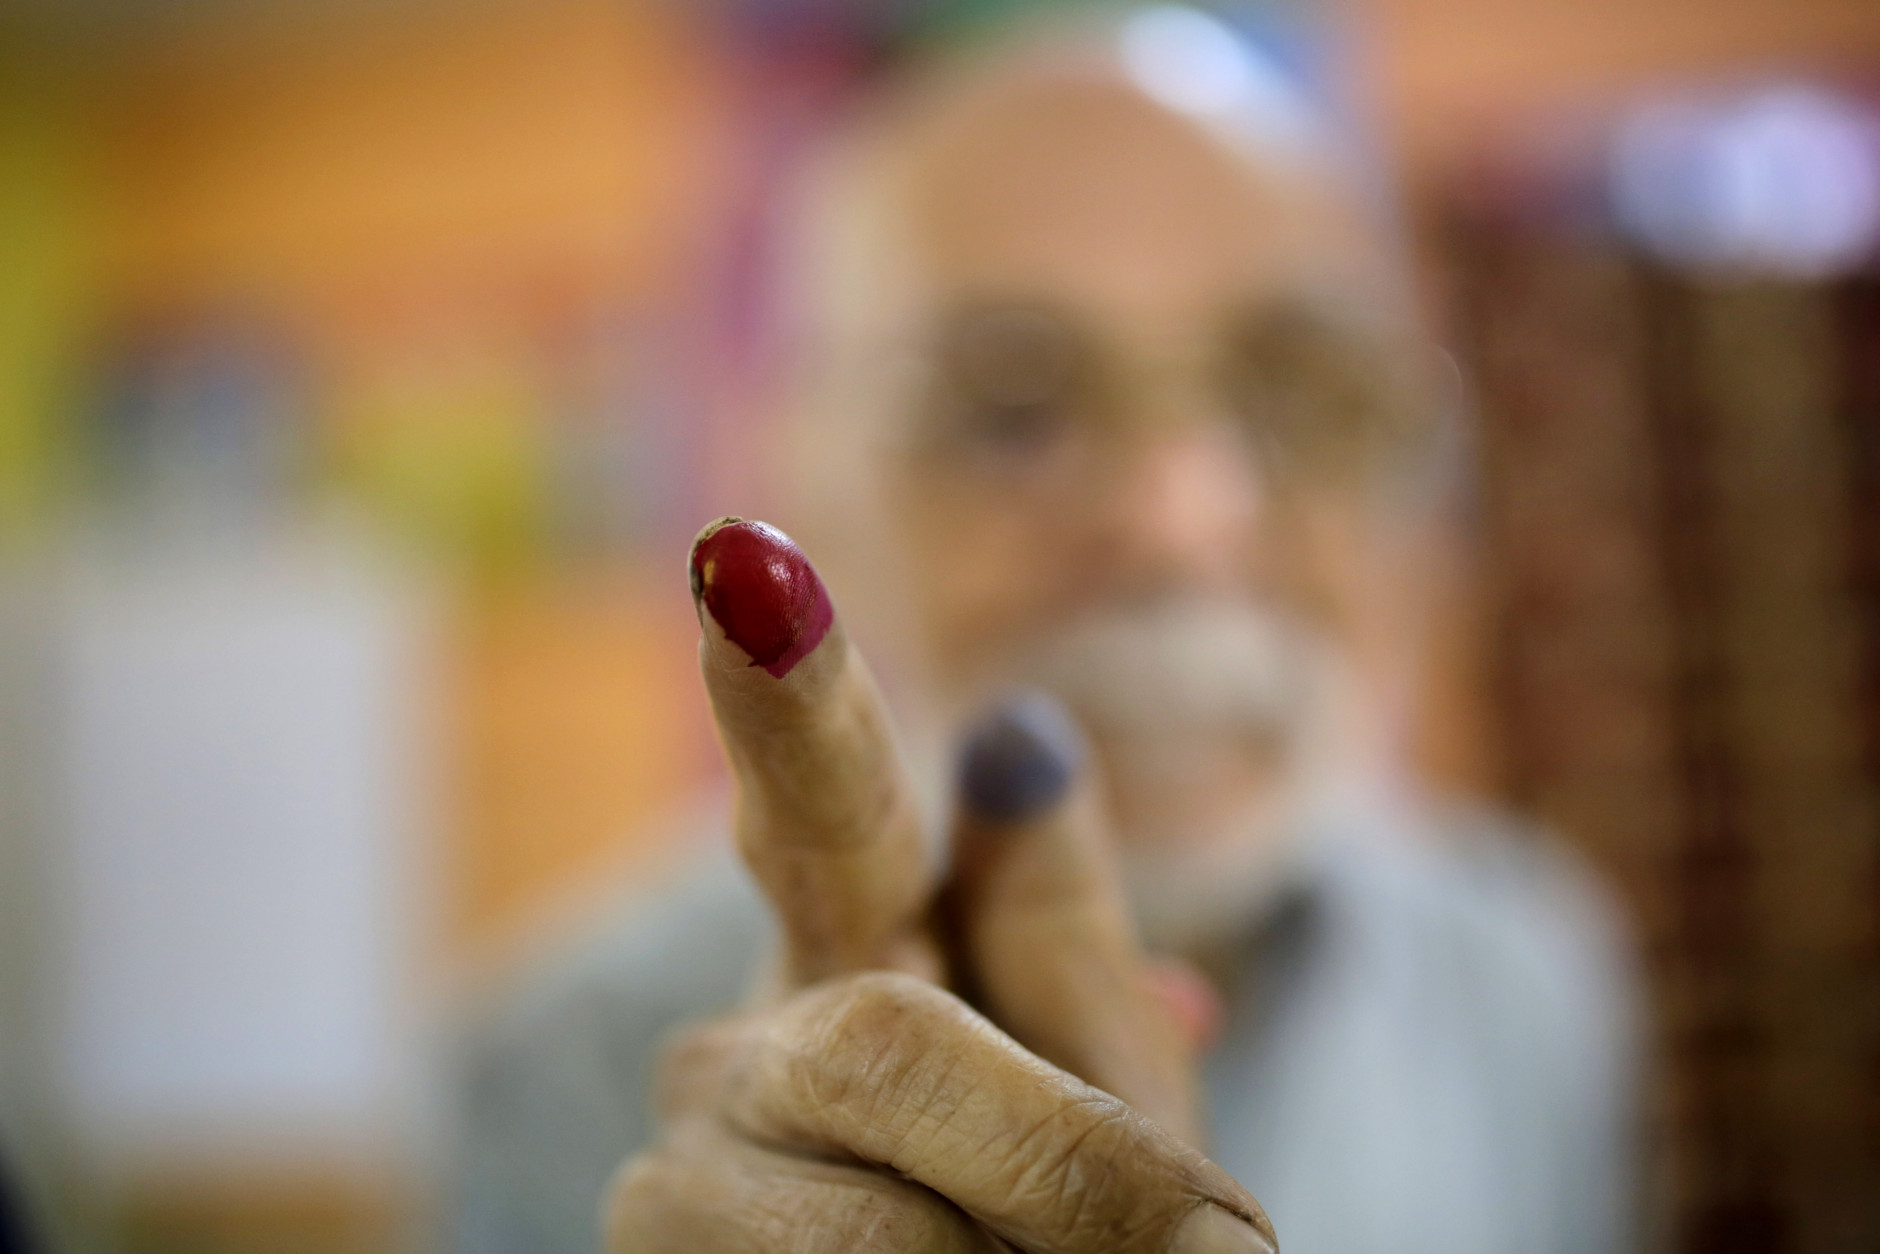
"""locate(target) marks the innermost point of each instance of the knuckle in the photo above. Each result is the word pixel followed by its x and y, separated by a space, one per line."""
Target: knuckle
pixel 1089 1171
pixel 686 1199
pixel 1066 1168
pixel 858 1006
pixel 866 1052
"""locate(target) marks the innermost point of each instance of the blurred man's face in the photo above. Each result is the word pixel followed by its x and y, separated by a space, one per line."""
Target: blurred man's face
pixel 1142 444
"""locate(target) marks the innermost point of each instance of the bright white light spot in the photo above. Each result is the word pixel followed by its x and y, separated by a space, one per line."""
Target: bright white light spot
pixel 1783 182
pixel 1186 59
pixel 1197 64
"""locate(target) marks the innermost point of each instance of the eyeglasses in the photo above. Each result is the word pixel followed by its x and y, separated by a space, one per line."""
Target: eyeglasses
pixel 1028 398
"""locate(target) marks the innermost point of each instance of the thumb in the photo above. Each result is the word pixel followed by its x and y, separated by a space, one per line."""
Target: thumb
pixel 1040 917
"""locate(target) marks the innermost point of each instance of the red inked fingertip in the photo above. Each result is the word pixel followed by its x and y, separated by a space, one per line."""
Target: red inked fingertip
pixel 758 586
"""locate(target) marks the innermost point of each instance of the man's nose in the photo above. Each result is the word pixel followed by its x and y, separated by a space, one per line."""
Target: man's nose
pixel 1189 512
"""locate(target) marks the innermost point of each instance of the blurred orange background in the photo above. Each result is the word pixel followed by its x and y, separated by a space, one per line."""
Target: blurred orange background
pixel 423 195
pixel 506 246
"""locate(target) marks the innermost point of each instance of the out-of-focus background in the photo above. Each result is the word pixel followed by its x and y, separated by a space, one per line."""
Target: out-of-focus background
pixel 365 369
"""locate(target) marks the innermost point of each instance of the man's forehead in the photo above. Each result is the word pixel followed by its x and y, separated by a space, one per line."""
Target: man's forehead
pixel 1081 192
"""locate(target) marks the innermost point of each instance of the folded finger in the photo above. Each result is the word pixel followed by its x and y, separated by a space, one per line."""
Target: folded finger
pixel 892 1071
pixel 825 816
pixel 705 1192
pixel 1039 910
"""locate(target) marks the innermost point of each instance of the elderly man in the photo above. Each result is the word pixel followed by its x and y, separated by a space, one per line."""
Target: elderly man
pixel 1112 399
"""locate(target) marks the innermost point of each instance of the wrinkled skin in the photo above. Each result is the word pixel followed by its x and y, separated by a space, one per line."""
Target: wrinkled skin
pixel 859 1105
pixel 991 1063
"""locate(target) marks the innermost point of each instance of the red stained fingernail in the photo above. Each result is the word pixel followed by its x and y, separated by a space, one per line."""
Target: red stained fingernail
pixel 758 586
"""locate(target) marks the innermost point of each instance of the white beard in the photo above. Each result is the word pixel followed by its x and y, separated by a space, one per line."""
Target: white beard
pixel 1183 666
pixel 1178 688
pixel 1186 900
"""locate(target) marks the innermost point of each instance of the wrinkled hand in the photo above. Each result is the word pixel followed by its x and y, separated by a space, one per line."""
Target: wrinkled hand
pixel 859 1105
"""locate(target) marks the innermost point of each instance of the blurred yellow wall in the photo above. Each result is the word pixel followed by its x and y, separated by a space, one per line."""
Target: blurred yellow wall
pixel 578 717
pixel 313 157
pixel 386 183
pixel 408 187
pixel 48 240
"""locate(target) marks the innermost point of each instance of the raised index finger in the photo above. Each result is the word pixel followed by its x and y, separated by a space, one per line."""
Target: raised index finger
pixel 825 816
